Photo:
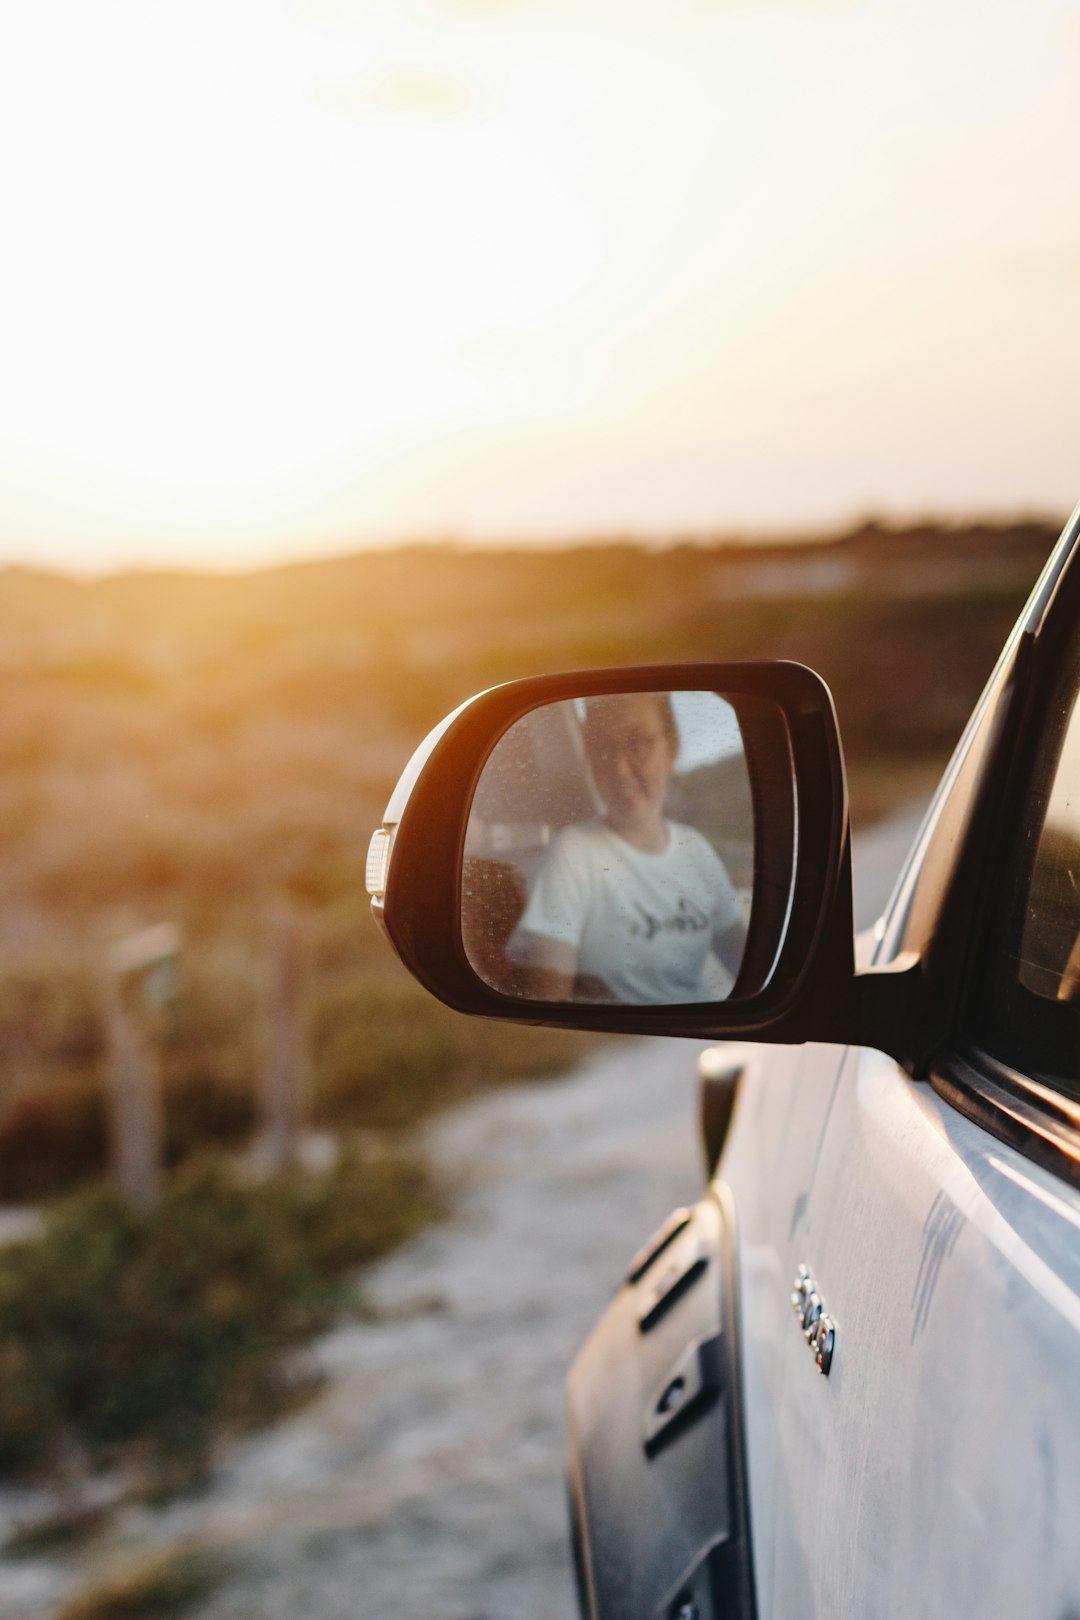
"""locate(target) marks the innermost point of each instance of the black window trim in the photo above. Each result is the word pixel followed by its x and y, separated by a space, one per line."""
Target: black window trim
pixel 1039 1122
pixel 1036 1119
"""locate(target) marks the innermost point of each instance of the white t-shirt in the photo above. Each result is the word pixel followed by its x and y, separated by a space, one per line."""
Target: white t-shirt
pixel 643 923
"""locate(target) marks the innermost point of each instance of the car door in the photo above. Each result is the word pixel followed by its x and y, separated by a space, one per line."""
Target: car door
pixel 777 1134
pixel 936 1470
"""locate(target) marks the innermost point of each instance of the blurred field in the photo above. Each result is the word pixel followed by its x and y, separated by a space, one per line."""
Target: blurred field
pixel 195 747
pixel 205 750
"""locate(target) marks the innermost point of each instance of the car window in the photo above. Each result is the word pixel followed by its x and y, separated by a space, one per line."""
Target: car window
pixel 1033 1011
pixel 1049 959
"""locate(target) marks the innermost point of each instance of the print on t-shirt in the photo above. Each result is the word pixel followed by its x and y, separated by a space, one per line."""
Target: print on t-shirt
pixel 642 923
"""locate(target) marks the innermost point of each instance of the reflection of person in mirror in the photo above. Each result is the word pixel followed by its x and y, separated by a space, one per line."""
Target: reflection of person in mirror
pixel 631 907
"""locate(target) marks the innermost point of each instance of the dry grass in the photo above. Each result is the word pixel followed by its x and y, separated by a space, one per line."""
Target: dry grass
pixel 157 1587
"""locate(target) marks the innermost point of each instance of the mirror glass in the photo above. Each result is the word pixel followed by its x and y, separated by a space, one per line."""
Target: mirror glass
pixel 609 855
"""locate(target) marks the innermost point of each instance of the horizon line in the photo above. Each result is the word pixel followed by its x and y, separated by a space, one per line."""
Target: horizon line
pixel 772 537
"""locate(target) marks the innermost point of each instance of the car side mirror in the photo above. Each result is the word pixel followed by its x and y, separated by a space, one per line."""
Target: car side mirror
pixel 651 850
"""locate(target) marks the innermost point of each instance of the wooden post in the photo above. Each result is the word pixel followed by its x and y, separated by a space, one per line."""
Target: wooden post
pixel 137 979
pixel 285 1055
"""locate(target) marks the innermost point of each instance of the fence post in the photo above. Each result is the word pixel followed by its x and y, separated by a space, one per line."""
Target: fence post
pixel 285 1056
pixel 137 979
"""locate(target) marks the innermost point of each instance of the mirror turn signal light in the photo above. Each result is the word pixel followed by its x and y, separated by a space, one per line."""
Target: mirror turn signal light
pixel 378 862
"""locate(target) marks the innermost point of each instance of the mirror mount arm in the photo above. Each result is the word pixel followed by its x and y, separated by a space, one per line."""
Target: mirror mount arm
pixel 881 1007
pixel 886 1011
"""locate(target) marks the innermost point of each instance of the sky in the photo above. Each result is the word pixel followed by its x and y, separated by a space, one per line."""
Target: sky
pixel 282 279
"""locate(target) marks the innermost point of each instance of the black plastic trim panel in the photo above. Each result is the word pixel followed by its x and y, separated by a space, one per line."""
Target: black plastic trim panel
pixel 1037 1121
pixel 658 1495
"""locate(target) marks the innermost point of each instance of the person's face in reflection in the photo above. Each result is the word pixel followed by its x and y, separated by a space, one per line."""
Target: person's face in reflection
pixel 632 743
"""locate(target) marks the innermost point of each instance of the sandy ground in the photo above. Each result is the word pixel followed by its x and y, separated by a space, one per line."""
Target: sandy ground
pixel 425 1481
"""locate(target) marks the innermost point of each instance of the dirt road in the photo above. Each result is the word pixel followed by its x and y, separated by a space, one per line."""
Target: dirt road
pixel 425 1481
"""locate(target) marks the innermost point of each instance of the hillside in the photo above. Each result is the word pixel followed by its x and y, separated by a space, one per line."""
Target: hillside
pixel 196 747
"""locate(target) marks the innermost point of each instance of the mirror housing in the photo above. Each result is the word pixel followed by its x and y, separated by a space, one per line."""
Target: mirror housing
pixel 803 917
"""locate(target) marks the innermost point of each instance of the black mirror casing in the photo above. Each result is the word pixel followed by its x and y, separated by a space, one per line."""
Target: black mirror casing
pixel 807 991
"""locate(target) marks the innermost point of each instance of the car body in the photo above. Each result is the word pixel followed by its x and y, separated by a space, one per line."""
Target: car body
pixel 846 1382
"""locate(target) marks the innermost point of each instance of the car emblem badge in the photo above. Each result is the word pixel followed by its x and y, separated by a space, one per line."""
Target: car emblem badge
pixel 818 1327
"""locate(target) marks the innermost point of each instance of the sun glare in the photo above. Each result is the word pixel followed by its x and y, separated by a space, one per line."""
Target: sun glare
pixel 305 274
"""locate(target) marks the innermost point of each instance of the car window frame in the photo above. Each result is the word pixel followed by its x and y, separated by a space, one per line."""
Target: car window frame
pixel 1020 1027
pixel 986 1085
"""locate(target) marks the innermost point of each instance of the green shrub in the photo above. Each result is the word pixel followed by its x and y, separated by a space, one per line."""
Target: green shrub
pixel 119 1326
